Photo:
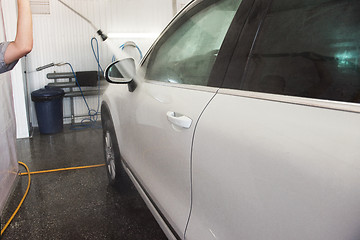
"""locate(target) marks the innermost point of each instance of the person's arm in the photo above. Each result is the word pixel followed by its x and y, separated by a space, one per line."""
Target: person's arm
pixel 24 36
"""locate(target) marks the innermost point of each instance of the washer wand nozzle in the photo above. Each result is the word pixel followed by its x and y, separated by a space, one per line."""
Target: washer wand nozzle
pixel 102 35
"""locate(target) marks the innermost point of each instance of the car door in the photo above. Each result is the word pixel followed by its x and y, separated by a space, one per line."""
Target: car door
pixel 158 119
pixel 276 152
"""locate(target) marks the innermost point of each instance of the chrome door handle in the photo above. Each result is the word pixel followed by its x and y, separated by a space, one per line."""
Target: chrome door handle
pixel 179 120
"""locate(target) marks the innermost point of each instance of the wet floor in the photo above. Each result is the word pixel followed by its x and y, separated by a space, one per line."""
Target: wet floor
pixel 75 204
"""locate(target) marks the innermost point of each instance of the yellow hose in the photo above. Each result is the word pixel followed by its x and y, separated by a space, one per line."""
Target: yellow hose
pixel 22 200
pixel 63 169
pixel 29 182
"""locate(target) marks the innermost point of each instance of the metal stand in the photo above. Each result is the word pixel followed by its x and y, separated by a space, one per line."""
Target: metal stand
pixel 71 93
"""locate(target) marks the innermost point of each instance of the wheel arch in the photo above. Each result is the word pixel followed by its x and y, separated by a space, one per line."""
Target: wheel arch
pixel 107 113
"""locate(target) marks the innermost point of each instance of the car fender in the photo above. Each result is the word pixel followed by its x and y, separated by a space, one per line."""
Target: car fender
pixel 111 105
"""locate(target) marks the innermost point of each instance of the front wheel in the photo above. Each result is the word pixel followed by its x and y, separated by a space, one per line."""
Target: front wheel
pixel 112 155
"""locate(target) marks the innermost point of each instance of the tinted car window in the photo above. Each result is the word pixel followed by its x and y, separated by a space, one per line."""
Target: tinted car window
pixel 187 55
pixel 308 49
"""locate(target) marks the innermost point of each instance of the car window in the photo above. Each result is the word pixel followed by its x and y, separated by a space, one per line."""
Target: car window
pixel 187 55
pixel 308 48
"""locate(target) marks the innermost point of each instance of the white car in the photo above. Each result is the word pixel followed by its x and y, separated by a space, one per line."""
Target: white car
pixel 243 121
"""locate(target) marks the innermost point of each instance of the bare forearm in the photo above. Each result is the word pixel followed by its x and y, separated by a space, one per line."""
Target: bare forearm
pixel 24 36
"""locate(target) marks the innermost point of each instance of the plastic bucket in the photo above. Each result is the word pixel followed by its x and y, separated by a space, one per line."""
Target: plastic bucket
pixel 49 109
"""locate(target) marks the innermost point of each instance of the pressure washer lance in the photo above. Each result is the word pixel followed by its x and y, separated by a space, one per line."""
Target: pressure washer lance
pixel 102 35
pixel 118 54
pixel 49 65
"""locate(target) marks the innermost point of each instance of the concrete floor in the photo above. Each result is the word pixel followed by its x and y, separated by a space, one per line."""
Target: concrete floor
pixel 74 204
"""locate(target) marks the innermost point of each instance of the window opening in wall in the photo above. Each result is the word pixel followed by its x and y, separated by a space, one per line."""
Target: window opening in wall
pixel 40 6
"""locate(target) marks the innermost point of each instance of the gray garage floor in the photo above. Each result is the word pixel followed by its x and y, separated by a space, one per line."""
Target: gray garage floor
pixel 74 204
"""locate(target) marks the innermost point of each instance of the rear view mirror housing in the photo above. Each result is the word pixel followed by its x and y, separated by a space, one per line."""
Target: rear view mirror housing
pixel 121 71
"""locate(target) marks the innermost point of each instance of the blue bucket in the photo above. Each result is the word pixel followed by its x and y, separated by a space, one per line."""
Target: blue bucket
pixel 49 109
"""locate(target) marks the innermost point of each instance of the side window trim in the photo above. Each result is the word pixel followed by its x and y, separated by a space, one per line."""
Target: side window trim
pixel 174 25
pixel 236 68
pixel 172 22
pixel 229 44
pixel 309 102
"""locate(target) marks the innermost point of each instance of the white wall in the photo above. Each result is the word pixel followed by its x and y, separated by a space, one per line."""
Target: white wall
pixel 180 4
pixel 62 36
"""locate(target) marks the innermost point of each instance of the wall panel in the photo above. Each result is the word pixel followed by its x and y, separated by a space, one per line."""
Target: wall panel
pixel 62 36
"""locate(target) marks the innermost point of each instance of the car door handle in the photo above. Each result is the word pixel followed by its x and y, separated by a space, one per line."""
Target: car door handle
pixel 179 120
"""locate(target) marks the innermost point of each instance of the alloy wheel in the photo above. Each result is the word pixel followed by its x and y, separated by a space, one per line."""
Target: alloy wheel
pixel 110 156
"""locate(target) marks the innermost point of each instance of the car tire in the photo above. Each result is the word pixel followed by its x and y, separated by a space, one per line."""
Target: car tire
pixel 112 156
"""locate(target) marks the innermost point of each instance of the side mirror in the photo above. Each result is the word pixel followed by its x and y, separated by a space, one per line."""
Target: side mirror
pixel 121 71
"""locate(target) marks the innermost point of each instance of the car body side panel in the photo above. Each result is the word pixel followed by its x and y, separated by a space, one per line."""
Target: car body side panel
pixel 164 226
pixel 156 151
pixel 121 92
pixel 274 170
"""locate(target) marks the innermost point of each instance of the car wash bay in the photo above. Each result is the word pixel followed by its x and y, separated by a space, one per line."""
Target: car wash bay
pixel 76 204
